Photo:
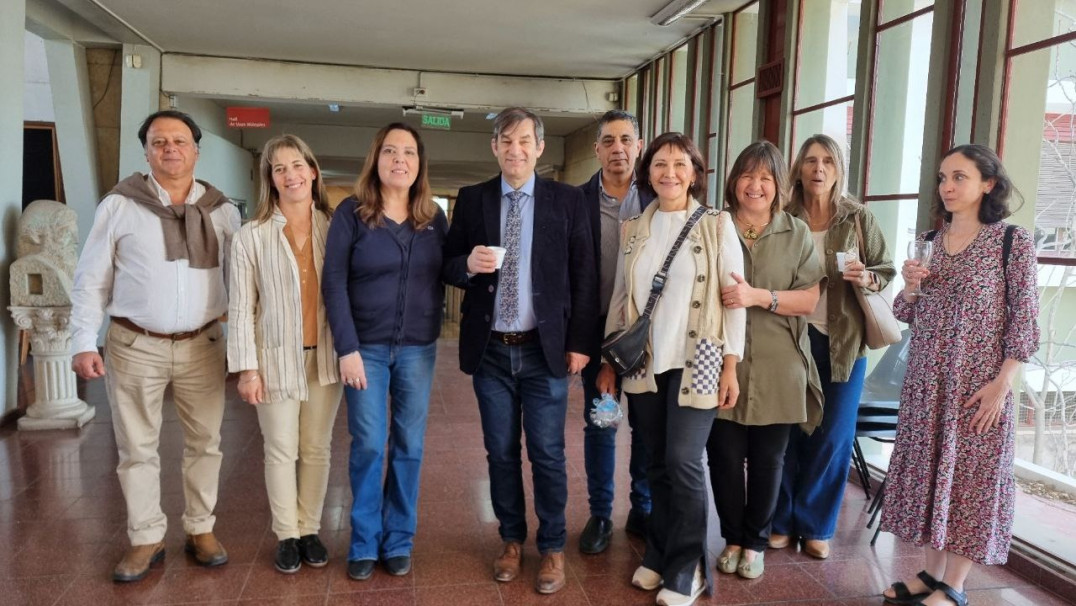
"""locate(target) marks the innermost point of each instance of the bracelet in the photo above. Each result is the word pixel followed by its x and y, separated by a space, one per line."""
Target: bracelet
pixel 250 380
pixel 773 300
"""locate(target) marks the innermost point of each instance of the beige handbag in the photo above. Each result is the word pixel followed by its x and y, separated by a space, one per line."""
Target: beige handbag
pixel 879 323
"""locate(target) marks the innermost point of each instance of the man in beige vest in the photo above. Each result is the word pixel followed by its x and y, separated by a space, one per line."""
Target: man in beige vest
pixel 154 262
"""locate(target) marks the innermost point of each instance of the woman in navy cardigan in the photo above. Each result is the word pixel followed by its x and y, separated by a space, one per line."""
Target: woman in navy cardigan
pixel 383 296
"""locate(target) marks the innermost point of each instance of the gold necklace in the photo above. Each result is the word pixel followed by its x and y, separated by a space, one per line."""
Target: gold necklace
pixel 750 233
pixel 964 244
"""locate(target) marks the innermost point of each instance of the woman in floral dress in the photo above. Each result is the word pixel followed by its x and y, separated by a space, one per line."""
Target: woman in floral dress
pixel 950 486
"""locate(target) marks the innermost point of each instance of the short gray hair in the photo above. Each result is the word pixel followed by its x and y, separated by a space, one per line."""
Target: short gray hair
pixel 511 116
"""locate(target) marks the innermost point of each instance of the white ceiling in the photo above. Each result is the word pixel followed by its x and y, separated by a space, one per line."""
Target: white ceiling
pixel 566 38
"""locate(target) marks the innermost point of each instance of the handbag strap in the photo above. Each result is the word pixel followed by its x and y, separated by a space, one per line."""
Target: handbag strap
pixel 859 238
pixel 658 284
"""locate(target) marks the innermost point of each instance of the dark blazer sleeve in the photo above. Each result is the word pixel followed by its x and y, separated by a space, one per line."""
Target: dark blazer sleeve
pixel 583 272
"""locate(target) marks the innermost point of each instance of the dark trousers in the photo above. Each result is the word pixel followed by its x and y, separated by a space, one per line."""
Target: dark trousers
pixel 746 514
pixel 675 437
pixel 517 393
pixel 599 452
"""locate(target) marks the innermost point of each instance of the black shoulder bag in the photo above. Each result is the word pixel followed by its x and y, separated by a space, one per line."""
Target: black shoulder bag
pixel 625 350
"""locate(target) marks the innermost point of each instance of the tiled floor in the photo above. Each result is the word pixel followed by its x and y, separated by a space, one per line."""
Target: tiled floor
pixel 62 527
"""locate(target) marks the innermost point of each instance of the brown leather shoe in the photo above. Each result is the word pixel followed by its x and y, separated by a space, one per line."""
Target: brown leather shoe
pixel 816 548
pixel 136 562
pixel 506 566
pixel 206 549
pixel 551 572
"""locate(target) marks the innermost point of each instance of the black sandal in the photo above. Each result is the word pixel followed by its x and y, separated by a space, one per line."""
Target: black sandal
pixel 905 597
pixel 959 598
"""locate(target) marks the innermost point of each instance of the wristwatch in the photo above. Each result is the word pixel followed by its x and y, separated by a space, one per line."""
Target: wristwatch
pixel 773 300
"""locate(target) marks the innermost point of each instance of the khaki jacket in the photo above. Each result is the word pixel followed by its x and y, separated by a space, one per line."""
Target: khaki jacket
pixel 709 336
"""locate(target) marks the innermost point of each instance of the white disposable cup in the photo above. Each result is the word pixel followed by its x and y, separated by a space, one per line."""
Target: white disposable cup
pixel 842 260
pixel 499 251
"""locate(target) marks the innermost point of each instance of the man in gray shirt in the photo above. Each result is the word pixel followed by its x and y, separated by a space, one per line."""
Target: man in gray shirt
pixel 612 198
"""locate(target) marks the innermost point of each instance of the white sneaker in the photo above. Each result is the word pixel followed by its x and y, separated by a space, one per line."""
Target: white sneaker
pixel 668 597
pixel 646 579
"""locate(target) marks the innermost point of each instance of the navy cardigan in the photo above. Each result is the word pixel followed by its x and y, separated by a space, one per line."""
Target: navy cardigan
pixel 374 292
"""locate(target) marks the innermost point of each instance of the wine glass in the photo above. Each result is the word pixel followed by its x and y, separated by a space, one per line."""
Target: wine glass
pixel 920 250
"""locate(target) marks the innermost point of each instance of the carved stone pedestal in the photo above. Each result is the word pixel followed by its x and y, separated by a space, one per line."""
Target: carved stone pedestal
pixel 56 403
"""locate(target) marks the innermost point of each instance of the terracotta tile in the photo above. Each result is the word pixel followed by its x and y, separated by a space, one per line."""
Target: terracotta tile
pixel 202 584
pixel 615 589
pixel 387 597
pixel 459 567
pixel 381 580
pixel 266 582
pixel 484 594
pixel 521 592
pixel 99 589
pixel 786 582
pixel 850 579
pixel 37 591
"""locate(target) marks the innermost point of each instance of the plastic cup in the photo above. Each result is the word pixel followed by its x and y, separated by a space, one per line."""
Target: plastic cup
pixel 842 260
pixel 499 251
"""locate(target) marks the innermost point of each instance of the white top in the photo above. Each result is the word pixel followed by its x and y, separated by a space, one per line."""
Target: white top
pixel 671 312
pixel 817 318
pixel 123 272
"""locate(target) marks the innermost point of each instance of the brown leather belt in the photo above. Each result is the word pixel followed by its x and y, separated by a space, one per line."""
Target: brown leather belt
pixel 514 338
pixel 179 336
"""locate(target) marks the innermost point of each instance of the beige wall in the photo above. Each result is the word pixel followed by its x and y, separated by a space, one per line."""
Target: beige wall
pixel 580 163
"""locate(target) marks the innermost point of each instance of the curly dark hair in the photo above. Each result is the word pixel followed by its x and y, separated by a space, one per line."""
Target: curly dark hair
pixel 683 143
pixel 995 205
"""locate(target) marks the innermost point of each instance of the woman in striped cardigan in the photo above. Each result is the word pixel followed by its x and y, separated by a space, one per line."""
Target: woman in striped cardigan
pixel 281 345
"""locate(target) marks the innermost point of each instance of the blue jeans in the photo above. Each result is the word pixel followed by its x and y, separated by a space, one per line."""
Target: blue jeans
pixel 516 392
pixel 599 453
pixel 383 517
pixel 816 466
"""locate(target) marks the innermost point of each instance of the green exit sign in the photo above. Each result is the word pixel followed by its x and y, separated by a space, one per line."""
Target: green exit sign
pixel 436 121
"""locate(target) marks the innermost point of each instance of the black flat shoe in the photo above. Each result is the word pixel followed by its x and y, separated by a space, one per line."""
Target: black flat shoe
pixel 287 556
pixel 398 565
pixel 956 597
pixel 905 597
pixel 360 570
pixel 638 521
pixel 595 537
pixel 312 551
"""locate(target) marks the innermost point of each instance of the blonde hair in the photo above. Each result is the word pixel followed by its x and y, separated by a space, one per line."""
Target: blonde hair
pixel 269 197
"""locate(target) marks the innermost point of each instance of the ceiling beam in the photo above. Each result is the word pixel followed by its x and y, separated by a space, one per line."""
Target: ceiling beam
pixel 309 82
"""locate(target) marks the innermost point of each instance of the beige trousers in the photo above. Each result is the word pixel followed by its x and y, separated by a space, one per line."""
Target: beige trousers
pixel 297 437
pixel 138 369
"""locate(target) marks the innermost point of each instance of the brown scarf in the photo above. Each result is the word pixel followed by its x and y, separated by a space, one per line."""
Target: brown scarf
pixel 188 229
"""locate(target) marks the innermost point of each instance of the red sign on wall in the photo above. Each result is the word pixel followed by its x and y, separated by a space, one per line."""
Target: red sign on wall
pixel 248 117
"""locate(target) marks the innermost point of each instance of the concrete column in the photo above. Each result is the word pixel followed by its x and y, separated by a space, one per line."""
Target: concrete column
pixel 56 402
pixel 141 97
pixel 73 110
pixel 12 49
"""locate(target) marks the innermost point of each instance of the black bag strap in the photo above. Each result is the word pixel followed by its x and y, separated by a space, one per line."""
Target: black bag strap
pixel 658 284
pixel 1006 248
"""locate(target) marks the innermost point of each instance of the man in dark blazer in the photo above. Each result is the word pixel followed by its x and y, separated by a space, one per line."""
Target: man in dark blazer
pixel 611 198
pixel 527 322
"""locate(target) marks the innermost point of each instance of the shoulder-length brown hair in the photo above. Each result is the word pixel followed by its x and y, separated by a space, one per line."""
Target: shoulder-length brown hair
pixel 371 208
pixel 268 196
pixel 843 204
pixel 995 204
pixel 683 143
pixel 760 154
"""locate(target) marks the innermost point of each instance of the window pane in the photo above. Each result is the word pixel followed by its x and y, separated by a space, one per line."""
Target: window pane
pixel 678 90
pixel 1040 156
pixel 745 41
pixel 1036 21
pixel 741 116
pixel 829 41
pixel 631 89
pixel 896 141
pixel 835 121
pixel 895 9
pixel 659 96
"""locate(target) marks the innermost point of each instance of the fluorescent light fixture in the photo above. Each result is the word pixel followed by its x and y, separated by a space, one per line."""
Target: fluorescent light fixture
pixel 334 107
pixel 673 11
pixel 491 115
pixel 418 110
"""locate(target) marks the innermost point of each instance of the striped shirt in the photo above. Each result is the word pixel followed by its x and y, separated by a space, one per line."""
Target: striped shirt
pixel 265 317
